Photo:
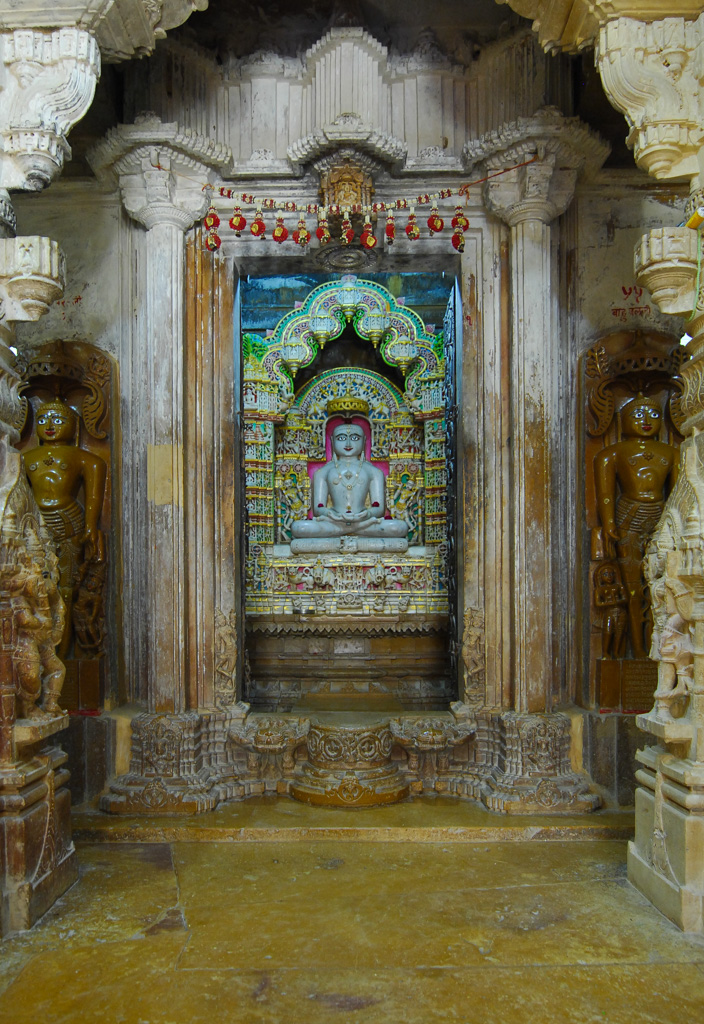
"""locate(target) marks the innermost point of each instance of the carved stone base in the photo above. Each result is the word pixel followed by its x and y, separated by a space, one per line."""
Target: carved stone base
pixel 167 774
pixel 349 765
pixel 351 545
pixel 37 857
pixel 665 859
pixel 527 768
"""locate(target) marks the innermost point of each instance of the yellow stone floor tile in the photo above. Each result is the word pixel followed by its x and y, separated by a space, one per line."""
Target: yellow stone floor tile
pixel 320 932
pixel 252 872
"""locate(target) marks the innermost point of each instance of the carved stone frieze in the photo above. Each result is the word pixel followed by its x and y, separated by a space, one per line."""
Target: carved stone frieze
pixel 270 742
pixel 349 766
pixel 167 773
pixel 474 659
pixel 123 28
pixel 48 81
pixel 526 767
pixel 429 741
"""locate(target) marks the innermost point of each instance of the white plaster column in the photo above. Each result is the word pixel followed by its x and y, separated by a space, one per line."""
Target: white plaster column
pixel 551 150
pixel 160 170
pixel 162 189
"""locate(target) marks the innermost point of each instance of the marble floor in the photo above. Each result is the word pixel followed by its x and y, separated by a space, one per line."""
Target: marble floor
pixel 246 930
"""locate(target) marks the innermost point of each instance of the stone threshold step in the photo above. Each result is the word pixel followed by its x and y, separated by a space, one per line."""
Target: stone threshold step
pixel 417 820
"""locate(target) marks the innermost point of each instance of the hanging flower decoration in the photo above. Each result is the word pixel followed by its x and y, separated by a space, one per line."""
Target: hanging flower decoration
pixel 211 219
pixel 258 227
pixel 459 221
pixel 435 221
pixel 347 231
pixel 238 222
pixel 368 240
pixel 390 229
pixel 412 229
pixel 280 232
pixel 301 235
pixel 322 232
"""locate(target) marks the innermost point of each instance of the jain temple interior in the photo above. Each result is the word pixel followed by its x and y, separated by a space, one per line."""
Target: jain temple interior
pixel 351 510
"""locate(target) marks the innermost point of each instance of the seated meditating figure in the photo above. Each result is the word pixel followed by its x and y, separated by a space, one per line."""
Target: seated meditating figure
pixel 342 519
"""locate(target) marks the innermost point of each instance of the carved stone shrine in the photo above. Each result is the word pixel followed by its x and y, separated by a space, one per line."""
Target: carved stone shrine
pixel 346 454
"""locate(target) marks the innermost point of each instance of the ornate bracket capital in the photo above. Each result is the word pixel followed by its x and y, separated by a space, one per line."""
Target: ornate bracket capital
pixel 652 72
pixel 47 80
pixel 160 170
pixel 32 276
pixel 554 150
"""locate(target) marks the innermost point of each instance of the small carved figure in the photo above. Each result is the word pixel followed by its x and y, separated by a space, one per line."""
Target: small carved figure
pixel 293 505
pixel 33 611
pixel 610 597
pixel 633 478
pixel 347 481
pixel 57 470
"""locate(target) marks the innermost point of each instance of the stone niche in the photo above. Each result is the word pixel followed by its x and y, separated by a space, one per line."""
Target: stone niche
pixel 353 623
pixel 81 376
pixel 620 372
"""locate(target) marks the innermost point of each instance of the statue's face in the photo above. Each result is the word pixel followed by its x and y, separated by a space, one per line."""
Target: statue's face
pixel 55 425
pixel 641 420
pixel 348 441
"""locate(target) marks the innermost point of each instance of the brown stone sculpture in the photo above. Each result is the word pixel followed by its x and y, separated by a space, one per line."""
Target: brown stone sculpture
pixel 633 478
pixel 610 598
pixel 57 470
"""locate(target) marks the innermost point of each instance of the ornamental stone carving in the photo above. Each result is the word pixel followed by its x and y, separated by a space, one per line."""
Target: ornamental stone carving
pixel 555 150
pixel 161 169
pixel 47 80
pixel 572 25
pixel 123 28
pixel 651 72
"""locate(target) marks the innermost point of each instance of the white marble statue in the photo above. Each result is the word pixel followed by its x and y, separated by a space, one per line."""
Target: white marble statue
pixel 342 519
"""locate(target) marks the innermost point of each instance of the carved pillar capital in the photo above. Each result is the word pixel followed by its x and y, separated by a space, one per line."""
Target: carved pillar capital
pixel 160 170
pixel 48 79
pixel 651 73
pixel 560 149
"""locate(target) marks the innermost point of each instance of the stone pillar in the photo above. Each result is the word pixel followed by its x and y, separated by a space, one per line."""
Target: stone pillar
pixel 552 150
pixel 47 80
pixel 525 749
pixel 161 171
pixel 652 72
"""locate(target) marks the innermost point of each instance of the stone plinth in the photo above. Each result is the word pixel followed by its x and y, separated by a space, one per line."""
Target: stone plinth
pixel 37 857
pixel 666 858
pixel 349 765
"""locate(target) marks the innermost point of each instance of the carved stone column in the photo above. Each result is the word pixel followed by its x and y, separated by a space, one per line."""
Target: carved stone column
pixel 524 752
pixel 652 72
pixel 160 170
pixel 552 150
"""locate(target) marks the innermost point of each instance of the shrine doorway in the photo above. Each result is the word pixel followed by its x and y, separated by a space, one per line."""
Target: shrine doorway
pixel 349 625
